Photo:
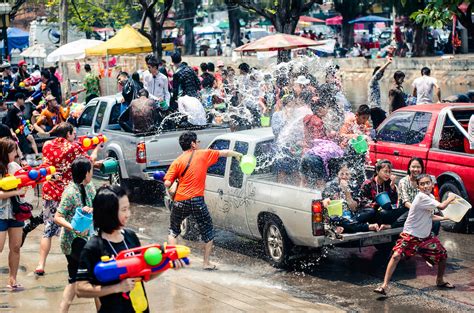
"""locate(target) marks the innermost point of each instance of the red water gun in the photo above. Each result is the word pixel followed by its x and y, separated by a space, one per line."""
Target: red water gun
pixel 26 177
pixel 90 142
pixel 140 262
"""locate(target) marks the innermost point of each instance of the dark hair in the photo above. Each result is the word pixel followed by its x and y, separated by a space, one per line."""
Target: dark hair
pixel 419 160
pixel 203 66
pixel 207 80
pixel 149 58
pixel 244 67
pixel 176 58
pixel 52 70
pixel 398 74
pixel 125 74
pixel 381 164
pixel 62 130
pixel 425 71
pixel 87 67
pixel 6 146
pixel 136 76
pixel 375 70
pixel 316 106
pixel 79 169
pixel 5 131
pixel 19 95
pixel 153 63
pixel 106 208
pixel 46 74
pixel 210 67
pixel 143 93
pixel 186 139
pixel 421 176
pixel 363 110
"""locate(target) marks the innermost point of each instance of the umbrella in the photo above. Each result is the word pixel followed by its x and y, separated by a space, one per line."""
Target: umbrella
pixel 278 42
pixel 208 29
pixel 36 51
pixel 336 20
pixel 370 19
pixel 309 19
pixel 72 51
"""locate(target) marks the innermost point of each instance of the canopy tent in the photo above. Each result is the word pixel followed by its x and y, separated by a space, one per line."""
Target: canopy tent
pixel 336 20
pixel 370 19
pixel 72 51
pixel 277 42
pixel 36 51
pixel 17 39
pixel 309 19
pixel 126 41
pixel 207 30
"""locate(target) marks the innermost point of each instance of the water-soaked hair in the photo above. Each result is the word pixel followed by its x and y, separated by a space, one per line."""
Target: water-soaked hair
pixel 398 74
pixel 6 146
pixel 62 130
pixel 186 139
pixel 106 208
pixel 79 169
pixel 419 160
pixel 363 110
pixel 425 71
pixel 381 164
pixel 421 176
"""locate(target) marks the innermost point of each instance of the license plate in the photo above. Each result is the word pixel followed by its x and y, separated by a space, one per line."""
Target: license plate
pixel 376 240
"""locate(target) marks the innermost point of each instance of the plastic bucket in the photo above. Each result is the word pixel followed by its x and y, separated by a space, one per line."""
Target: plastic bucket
pixel 359 144
pixel 248 164
pixel 383 200
pixel 335 208
pixel 456 210
pixel 265 121
pixel 110 166
pixel 164 105
pixel 81 220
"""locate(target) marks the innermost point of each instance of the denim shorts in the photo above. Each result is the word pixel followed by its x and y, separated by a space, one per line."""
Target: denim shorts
pixel 6 224
pixel 197 208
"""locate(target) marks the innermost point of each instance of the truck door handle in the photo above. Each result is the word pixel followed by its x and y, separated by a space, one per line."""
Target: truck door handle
pixel 397 153
pixel 220 192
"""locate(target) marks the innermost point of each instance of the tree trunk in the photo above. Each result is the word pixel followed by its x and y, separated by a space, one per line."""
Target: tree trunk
pixel 286 26
pixel 190 8
pixel 234 25
pixel 420 44
pixel 347 35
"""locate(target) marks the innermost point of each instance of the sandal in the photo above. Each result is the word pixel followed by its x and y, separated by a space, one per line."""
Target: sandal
pixel 211 267
pixel 380 290
pixel 15 287
pixel 445 285
pixel 39 272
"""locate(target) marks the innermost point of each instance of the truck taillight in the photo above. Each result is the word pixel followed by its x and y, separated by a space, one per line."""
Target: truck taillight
pixel 141 152
pixel 317 218
pixel 436 192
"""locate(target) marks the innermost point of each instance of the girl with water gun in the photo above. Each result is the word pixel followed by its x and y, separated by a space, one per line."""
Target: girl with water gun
pixel 8 222
pixel 78 195
pixel 111 213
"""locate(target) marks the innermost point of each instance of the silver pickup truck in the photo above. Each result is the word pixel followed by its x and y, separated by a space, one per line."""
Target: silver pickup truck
pixel 139 155
pixel 287 218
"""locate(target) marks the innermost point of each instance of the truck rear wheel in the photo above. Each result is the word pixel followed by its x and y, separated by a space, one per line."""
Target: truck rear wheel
pixel 462 226
pixel 278 246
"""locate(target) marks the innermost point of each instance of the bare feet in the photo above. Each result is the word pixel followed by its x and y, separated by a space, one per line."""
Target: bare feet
pixel 384 226
pixel 374 227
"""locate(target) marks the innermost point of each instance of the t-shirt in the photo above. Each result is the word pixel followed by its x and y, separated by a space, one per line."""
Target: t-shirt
pixel 193 108
pixel 419 218
pixel 424 89
pixel 92 84
pixel 194 181
pixel 95 248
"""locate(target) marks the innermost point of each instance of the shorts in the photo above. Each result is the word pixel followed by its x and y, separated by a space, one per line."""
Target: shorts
pixel 6 224
pixel 51 229
pixel 73 259
pixel 197 208
pixel 429 248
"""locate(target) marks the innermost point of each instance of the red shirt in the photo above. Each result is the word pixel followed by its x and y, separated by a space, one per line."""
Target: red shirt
pixel 313 129
pixel 59 153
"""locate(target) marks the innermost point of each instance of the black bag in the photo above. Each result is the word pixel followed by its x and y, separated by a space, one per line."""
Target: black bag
pixel 21 210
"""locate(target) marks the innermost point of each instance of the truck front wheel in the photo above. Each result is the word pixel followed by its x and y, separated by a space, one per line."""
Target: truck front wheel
pixel 278 246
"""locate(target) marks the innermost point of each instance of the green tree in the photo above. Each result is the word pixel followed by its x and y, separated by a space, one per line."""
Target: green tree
pixel 186 13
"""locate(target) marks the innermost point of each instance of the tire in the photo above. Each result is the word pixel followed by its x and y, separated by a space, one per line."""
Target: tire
pixel 459 227
pixel 278 247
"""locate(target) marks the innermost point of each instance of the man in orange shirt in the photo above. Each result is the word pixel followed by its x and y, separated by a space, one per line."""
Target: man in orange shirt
pixel 190 168
pixel 53 115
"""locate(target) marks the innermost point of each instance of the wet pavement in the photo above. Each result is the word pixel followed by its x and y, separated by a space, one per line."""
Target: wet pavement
pixel 245 282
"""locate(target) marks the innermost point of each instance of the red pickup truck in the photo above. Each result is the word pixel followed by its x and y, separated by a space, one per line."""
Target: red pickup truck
pixel 437 133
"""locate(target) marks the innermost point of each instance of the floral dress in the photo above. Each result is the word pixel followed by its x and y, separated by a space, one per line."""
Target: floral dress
pixel 71 200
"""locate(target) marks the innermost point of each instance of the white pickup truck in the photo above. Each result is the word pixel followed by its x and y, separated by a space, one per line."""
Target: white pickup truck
pixel 139 155
pixel 287 218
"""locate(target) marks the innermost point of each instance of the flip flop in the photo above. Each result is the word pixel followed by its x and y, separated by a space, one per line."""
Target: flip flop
pixel 39 272
pixel 380 291
pixel 210 268
pixel 15 287
pixel 446 285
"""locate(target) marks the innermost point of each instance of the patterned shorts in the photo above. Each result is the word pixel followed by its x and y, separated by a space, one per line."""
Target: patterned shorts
pixel 197 208
pixel 429 248
pixel 51 229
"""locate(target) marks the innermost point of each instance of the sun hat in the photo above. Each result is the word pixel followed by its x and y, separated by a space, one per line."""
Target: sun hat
pixel 302 80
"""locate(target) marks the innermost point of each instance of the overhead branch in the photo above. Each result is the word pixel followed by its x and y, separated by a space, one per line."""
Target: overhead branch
pixel 259 10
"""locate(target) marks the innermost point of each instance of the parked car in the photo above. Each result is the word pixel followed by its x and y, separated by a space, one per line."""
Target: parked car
pixel 437 134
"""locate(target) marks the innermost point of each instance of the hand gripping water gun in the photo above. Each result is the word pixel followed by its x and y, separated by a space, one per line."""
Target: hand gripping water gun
pixel 90 142
pixel 140 262
pixel 30 81
pixel 25 124
pixel 26 177
pixel 70 100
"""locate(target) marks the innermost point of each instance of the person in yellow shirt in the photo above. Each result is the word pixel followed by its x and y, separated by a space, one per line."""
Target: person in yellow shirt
pixel 355 125
pixel 51 116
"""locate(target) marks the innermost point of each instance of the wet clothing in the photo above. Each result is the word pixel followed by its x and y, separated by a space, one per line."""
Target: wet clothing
pixel 73 258
pixel 424 89
pixel 420 217
pixel 185 83
pixel 326 150
pixel 197 208
pixel 396 97
pixel 429 248
pixel 91 254
pixel 350 129
pixel 143 115
pixel 51 229
pixel 192 184
pixel 374 90
pixel 313 129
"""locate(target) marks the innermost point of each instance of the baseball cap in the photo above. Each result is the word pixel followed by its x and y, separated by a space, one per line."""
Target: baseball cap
pixel 22 62
pixel 220 63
